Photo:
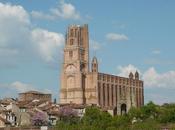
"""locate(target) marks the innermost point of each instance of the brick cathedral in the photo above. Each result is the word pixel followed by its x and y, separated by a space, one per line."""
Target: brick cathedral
pixel 83 84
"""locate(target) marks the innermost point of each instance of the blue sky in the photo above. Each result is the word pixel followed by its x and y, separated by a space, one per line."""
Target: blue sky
pixel 124 35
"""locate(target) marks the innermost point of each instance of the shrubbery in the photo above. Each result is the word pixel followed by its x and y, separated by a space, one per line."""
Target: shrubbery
pixel 150 117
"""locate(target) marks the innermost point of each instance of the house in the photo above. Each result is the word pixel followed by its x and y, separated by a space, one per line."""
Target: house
pixel 32 95
pixel 9 111
pixel 4 122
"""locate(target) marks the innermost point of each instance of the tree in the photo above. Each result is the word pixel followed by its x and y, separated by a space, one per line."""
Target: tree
pixel 39 119
pixel 120 121
pixel 167 115
pixel 68 115
pixel 134 113
pixel 96 118
pixel 106 119
pixel 149 110
pixel 92 116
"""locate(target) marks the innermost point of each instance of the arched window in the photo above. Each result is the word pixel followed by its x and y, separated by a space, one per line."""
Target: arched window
pixel 123 109
pixel 71 32
pixel 108 95
pixel 104 97
pixel 70 54
pixel 76 32
pixel 99 95
pixel 112 90
pixel 70 82
pixel 71 41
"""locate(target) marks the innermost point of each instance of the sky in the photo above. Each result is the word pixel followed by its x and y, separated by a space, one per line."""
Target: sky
pixel 124 35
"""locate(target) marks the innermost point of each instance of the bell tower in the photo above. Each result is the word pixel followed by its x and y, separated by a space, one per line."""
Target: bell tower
pixel 94 65
pixel 75 65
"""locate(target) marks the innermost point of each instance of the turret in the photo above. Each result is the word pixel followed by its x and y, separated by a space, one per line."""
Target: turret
pixel 136 75
pixel 94 65
pixel 131 75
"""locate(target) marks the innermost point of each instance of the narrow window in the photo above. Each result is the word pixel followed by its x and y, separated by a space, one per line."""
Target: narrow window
pixel 70 54
pixel 71 32
pixel 76 32
pixel 71 41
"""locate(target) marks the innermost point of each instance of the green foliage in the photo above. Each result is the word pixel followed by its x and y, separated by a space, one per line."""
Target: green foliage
pixel 119 121
pixel 94 117
pixel 167 116
pixel 134 113
pixel 64 126
pixel 149 124
pixel 149 110
pixel 111 128
pixel 148 117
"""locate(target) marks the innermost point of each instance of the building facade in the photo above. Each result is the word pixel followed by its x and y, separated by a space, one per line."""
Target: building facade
pixel 34 95
pixel 81 84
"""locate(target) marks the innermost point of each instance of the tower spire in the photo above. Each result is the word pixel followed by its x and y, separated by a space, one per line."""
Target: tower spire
pixel 94 65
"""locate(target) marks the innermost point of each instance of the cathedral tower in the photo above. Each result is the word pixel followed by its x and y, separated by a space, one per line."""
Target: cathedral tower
pixel 81 85
pixel 75 65
pixel 94 65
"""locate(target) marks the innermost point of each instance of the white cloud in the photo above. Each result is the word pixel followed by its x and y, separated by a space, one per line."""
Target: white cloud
pixel 21 87
pixel 94 45
pixel 158 87
pixel 66 10
pixel 48 43
pixel 125 70
pixel 63 10
pixel 17 87
pixel 14 33
pixel 161 80
pixel 156 52
pixel 8 11
pixel 14 25
pixel 151 78
pixel 116 37
pixel 12 89
pixel 19 40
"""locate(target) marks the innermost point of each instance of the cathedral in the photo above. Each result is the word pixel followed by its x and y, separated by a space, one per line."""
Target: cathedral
pixel 83 84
